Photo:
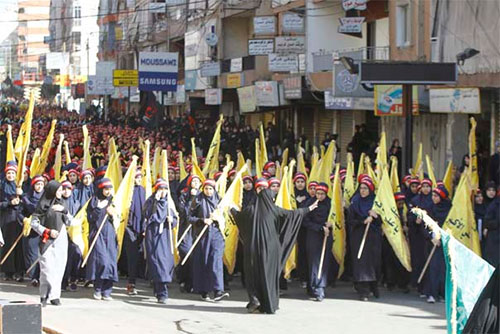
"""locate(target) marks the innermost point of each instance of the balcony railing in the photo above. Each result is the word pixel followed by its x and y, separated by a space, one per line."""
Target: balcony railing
pixel 323 60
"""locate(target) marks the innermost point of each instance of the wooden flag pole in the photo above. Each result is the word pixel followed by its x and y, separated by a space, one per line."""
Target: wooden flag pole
pixel 94 241
pixel 194 245
pixel 184 234
pixel 360 252
pixel 12 248
pixel 33 265
pixel 322 257
pixel 426 264
pixel 171 239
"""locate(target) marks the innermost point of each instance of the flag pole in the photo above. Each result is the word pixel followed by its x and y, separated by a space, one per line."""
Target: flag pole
pixel 320 269
pixel 363 241
pixel 194 245
pixel 12 248
pixel 184 234
pixel 426 264
pixel 171 239
pixel 94 241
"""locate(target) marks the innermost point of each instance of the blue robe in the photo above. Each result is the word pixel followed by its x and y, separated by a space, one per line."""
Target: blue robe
pixel 10 229
pixel 207 256
pixel 133 233
pixel 159 255
pixel 74 261
pixel 102 262
pixel 314 222
pixel 418 235
pixel 30 243
pixel 492 240
pixel 82 194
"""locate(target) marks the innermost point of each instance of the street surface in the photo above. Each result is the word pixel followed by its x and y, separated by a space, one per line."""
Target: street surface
pixel 340 312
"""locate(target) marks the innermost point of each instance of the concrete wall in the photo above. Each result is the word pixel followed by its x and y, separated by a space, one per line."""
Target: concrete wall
pixel 237 31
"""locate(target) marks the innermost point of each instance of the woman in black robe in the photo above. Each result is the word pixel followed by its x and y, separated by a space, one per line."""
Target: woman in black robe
pixel 366 270
pixel 434 278
pixel 317 229
pixel 301 198
pixel 492 224
pixel 10 207
pixel 159 217
pixel 50 220
pixel 30 242
pixel 207 256
pixel 268 234
pixel 417 232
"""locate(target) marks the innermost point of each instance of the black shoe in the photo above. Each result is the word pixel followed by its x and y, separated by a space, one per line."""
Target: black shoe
pixel 206 297
pixel 43 301
pixel 376 292
pixel 363 298
pixel 253 307
pixel 219 295
pixel 56 302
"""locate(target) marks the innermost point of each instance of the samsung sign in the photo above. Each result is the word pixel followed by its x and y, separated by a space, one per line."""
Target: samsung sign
pixel 158 71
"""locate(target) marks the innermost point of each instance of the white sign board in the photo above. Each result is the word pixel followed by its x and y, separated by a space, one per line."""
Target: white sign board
pixel 293 87
pixel 180 96
pixel 213 96
pixel 210 69
pixel 354 4
pixel 283 63
pixel 260 47
pixel 455 100
pixel 292 22
pixel 157 8
pixel 98 85
pixel 246 99
pixel 266 93
pixel 351 25
pixel 158 71
pixel 57 60
pixel 264 25
pixel 236 65
pixel 290 44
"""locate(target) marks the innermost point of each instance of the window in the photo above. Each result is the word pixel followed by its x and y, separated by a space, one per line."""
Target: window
pixel 77 14
pixel 403 25
pixel 76 36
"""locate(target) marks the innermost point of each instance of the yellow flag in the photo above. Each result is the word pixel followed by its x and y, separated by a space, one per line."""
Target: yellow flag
pixel 430 170
pixel 58 158
pixel 79 230
pixel 417 169
pixel 448 178
pixel 122 200
pixel 182 169
pixel 35 162
pixel 221 183
pixel 156 163
pixel 24 142
pixel 473 155
pixel 66 152
pixel 385 205
pixel 291 187
pixel 87 159
pixel 164 165
pixel 314 158
pixel 212 159
pixel 394 175
pixel 301 164
pixel 322 151
pixel 114 170
pixel 284 161
pixel 460 221
pixel 44 156
pixel 263 148
pixel 259 165
pixel 233 195
pixel 327 163
pixel 381 160
pixel 361 166
pixel 196 168
pixel 240 161
pixel 349 186
pixel 112 148
pixel 147 183
pixel 283 200
pixel 336 218
pixel 194 157
pixel 10 145
pixel 370 172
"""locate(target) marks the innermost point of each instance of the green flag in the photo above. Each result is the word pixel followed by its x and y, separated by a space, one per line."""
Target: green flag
pixel 466 276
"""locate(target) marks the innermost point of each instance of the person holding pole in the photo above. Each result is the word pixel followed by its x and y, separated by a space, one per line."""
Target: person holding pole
pixel 159 219
pixel 133 232
pixel 434 278
pixel 49 220
pixel 207 256
pixel 365 240
pixel 12 260
pixel 319 243
pixel 101 265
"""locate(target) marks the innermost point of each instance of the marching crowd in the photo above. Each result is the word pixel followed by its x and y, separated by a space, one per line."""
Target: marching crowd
pixel 44 208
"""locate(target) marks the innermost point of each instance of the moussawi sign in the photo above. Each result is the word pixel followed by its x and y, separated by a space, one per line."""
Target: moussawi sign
pixel 158 71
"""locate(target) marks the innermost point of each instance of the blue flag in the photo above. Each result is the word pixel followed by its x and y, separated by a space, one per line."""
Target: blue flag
pixel 466 276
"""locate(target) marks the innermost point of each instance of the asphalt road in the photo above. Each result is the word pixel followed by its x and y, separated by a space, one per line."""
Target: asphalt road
pixel 340 312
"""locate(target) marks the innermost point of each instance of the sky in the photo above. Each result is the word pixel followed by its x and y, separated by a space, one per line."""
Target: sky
pixel 7 12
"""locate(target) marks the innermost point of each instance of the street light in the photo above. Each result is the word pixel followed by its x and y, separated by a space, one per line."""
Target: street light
pixel 349 64
pixel 466 54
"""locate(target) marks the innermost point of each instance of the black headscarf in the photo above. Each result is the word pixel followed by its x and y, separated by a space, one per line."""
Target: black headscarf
pixel 440 211
pixel 9 189
pixel 48 198
pixel 361 205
